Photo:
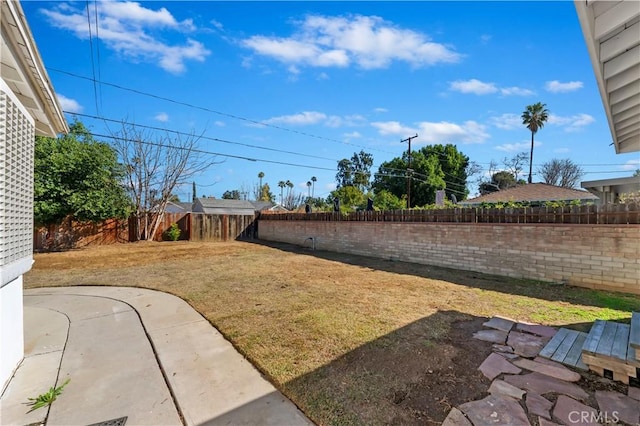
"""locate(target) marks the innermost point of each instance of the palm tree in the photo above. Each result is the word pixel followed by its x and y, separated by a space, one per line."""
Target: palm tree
pixel 281 184
pixel 260 176
pixel 313 187
pixel 290 187
pixel 534 117
pixel 309 189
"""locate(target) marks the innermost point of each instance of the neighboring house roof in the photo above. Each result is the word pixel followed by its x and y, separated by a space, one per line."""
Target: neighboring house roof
pixel 623 185
pixel 22 70
pixel 268 205
pixel 178 207
pixel 222 206
pixel 533 192
pixel 612 34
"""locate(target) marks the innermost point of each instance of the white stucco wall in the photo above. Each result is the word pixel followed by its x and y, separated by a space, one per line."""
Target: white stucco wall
pixel 11 329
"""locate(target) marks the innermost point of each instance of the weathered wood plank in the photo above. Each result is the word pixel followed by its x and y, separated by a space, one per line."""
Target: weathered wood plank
pixel 621 342
pixel 550 348
pixel 565 346
pixel 574 356
pixel 609 364
pixel 606 340
pixel 591 344
pixel 634 336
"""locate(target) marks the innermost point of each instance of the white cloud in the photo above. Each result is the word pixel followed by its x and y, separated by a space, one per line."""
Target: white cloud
pixel 517 147
pixel 219 123
pixel 572 123
pixel 631 165
pixel 370 42
pixel 330 186
pixel 306 118
pixel 68 104
pixel 352 135
pixel 162 116
pixel 474 86
pixel 516 91
pixel 380 110
pixel 217 25
pixel 323 76
pixel 507 121
pixel 477 87
pixel 555 86
pixel 126 27
pixel 485 38
pixel 432 132
pixel 561 150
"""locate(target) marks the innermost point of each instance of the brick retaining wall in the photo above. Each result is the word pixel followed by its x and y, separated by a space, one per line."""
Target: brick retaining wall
pixel 605 257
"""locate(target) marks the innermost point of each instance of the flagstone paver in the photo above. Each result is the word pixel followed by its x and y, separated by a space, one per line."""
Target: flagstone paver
pixel 538 330
pixel 542 384
pixel 570 412
pixel 495 410
pixel 544 422
pixel 615 404
pixel 560 372
pixel 494 336
pixel 495 365
pixel 502 348
pixel 508 356
pixel 526 345
pixel 634 393
pixel 538 405
pixel 456 418
pixel 500 323
pixel 500 387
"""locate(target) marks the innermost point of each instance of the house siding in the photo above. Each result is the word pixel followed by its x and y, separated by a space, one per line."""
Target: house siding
pixel 603 257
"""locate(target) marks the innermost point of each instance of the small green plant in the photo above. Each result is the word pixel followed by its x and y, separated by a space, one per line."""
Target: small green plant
pixel 47 398
pixel 173 233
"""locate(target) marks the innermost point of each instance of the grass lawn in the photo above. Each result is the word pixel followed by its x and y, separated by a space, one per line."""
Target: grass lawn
pixel 351 340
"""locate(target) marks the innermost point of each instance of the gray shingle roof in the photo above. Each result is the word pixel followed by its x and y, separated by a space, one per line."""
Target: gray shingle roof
pixel 533 192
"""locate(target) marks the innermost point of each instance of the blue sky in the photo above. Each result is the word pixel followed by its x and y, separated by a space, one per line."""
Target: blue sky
pixel 328 79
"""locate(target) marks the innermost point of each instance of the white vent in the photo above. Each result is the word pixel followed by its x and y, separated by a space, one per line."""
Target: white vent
pixel 17 137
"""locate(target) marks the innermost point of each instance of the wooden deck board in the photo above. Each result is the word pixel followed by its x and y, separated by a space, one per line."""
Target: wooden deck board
pixel 574 356
pixel 561 353
pixel 593 338
pixel 634 337
pixel 606 340
pixel 550 348
pixel 621 342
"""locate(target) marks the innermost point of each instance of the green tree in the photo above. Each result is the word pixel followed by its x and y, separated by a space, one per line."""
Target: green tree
pixel 454 165
pixel 355 171
pixel 534 117
pixel 350 198
pixel 385 200
pixel 636 173
pixel 499 181
pixel 266 194
pixel 78 176
pixel 231 195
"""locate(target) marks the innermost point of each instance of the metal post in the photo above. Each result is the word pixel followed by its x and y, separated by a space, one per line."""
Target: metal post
pixel 409 170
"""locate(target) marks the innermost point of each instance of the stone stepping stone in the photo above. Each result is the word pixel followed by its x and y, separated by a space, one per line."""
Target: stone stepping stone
pixel 621 406
pixel 502 348
pixel 634 393
pixel 571 412
pixel 538 405
pixel 456 418
pixel 495 365
pixel 500 387
pixel 493 336
pixel 538 330
pixel 544 422
pixel 495 410
pixel 508 356
pixel 500 323
pixel 541 384
pixel 560 372
pixel 526 345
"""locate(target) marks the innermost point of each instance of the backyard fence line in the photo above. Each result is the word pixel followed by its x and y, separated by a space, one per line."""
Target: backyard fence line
pixel 610 214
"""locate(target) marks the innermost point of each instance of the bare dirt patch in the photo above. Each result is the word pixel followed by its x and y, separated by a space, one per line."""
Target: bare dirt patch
pixel 351 340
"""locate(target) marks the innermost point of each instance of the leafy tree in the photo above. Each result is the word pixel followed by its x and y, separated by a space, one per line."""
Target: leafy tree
pixel 350 197
pixel 78 176
pixel 636 173
pixel 515 164
pixel 428 176
pixel 499 181
pixel 385 200
pixel 534 117
pixel 355 171
pixel 231 195
pixel 266 194
pixel 174 198
pixel 564 173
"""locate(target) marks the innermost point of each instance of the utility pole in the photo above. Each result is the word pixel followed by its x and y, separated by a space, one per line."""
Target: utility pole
pixel 409 170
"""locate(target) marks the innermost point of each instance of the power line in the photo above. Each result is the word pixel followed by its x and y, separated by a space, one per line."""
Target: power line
pixel 93 68
pixel 202 137
pixel 224 114
pixel 95 9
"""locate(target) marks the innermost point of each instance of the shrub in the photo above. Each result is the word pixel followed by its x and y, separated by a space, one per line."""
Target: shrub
pixel 173 233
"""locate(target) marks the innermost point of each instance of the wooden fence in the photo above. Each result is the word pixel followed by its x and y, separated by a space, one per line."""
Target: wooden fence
pixel 193 227
pixel 586 214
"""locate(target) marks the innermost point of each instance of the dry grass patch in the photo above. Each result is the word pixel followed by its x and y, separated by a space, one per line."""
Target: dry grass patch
pixel 349 339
